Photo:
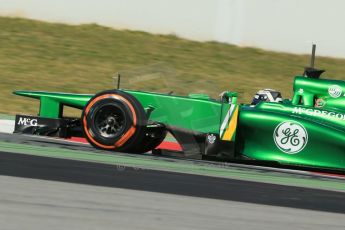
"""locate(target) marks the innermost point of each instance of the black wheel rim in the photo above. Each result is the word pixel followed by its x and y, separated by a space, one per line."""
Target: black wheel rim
pixel 110 121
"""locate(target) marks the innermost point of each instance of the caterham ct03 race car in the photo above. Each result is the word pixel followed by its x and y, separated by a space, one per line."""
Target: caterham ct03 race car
pixel 308 130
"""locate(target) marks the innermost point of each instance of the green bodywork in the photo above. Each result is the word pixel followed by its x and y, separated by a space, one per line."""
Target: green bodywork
pixel 308 130
pixel 195 112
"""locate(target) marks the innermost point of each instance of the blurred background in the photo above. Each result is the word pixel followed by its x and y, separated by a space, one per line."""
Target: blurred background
pixel 185 46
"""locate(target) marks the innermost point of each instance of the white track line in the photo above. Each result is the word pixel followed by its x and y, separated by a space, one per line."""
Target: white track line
pixel 6 126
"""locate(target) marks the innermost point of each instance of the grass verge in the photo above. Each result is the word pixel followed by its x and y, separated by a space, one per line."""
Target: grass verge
pixel 36 55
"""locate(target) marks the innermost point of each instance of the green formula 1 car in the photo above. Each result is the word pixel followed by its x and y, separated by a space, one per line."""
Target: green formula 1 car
pixel 308 130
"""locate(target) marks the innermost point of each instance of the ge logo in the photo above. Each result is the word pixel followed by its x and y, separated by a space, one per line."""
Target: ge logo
pixel 290 137
pixel 335 91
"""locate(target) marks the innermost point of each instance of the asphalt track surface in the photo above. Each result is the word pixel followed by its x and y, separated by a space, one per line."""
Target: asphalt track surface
pixel 35 188
pixel 39 204
pixel 167 182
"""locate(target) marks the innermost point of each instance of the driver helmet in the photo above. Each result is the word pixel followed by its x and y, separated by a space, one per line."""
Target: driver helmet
pixel 268 95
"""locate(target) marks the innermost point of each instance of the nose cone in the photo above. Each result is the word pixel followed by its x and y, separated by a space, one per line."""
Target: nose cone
pixel 31 94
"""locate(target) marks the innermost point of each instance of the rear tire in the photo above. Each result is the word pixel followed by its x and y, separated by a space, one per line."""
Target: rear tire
pixel 114 120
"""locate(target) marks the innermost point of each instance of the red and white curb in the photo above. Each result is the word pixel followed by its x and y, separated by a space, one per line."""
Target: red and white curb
pixel 168 145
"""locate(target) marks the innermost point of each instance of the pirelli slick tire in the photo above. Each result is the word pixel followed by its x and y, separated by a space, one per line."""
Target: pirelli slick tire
pixel 114 120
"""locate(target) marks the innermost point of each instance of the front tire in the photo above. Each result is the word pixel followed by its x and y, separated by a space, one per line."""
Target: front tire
pixel 114 120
